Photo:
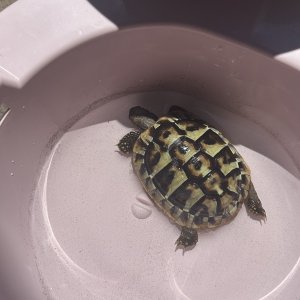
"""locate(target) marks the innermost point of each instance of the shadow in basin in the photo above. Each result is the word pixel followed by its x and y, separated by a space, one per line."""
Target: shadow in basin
pixel 205 68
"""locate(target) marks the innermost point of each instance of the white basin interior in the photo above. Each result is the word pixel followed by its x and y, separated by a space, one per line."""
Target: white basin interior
pixel 87 227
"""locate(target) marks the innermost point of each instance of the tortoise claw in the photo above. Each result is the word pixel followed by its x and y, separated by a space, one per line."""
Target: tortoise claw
pixel 127 142
pixel 187 238
pixel 254 204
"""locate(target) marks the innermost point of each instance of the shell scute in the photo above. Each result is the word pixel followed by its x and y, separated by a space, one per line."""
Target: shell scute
pixel 191 172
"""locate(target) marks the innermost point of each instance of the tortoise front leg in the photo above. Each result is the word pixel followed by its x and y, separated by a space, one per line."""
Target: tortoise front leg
pixel 127 142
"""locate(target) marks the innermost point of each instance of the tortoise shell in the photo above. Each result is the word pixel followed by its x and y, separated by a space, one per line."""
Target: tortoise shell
pixel 191 172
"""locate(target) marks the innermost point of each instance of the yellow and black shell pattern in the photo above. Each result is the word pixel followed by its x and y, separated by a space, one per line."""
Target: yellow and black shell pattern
pixel 191 172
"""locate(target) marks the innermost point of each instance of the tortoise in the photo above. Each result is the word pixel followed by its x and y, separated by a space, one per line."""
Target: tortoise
pixel 189 170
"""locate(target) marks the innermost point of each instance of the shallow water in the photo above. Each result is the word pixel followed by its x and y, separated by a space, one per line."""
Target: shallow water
pixel 98 235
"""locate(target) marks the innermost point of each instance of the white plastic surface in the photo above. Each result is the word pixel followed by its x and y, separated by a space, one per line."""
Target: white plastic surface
pixel 291 58
pixel 98 245
pixel 35 32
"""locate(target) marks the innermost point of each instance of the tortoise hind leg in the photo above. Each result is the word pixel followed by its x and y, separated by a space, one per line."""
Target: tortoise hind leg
pixel 127 142
pixel 188 237
pixel 254 204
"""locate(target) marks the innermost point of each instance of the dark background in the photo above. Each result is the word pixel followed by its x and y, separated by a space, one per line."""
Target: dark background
pixel 270 25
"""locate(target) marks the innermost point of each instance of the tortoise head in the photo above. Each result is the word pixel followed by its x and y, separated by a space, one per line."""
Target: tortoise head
pixel 180 113
pixel 141 117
